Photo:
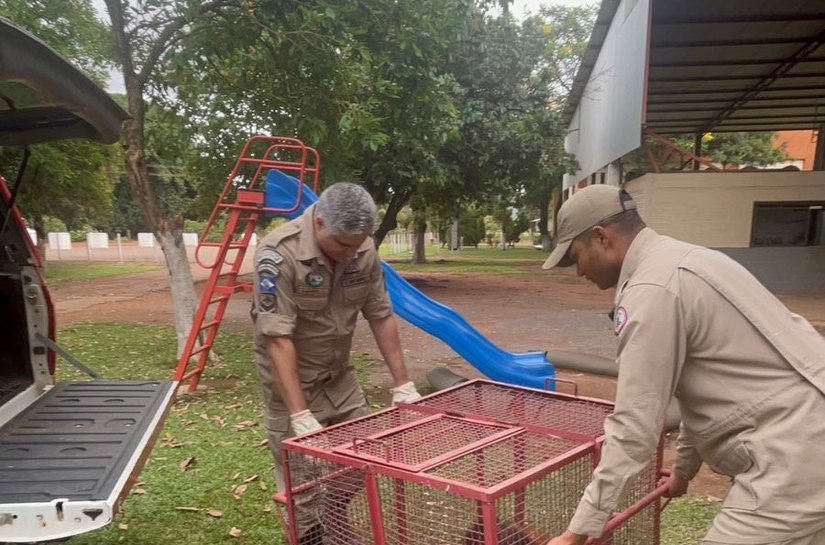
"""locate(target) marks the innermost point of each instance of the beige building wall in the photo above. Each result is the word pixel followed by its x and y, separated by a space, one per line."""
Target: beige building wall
pixel 716 208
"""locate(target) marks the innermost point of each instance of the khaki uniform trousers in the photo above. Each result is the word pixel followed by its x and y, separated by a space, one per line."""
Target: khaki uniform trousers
pixel 308 505
pixel 816 538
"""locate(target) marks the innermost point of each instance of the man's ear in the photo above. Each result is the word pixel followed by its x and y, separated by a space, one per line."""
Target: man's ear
pixel 599 235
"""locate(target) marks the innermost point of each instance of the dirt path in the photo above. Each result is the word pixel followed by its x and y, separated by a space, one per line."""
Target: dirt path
pixel 533 312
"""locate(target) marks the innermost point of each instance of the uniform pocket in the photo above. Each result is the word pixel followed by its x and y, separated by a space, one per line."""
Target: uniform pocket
pixel 357 293
pixel 310 303
pixel 344 392
pixel 277 424
pixel 732 460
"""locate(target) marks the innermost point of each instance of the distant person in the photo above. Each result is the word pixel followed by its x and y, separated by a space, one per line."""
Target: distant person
pixel 313 276
pixel 748 375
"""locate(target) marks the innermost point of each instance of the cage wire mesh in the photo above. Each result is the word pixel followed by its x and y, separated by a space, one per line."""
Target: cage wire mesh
pixel 480 464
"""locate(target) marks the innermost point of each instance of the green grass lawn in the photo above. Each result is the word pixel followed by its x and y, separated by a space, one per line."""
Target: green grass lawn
pixel 685 521
pixel 228 483
pixel 68 272
pixel 482 260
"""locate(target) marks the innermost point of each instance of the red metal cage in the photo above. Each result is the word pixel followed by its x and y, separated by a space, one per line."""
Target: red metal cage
pixel 482 463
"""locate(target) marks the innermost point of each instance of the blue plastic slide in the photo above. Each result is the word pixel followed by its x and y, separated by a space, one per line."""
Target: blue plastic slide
pixel 529 369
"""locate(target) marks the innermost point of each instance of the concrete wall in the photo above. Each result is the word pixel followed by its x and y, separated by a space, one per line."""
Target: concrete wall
pixel 715 209
pixel 770 266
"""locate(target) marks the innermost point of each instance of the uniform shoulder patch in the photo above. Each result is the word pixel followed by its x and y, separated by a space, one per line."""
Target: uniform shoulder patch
pixel 619 320
pixel 268 284
pixel 267 262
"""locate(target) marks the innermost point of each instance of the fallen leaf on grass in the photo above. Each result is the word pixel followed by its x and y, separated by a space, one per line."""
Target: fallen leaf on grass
pixel 187 463
pixel 239 491
pixel 251 479
pixel 245 425
pixel 235 532
pixel 215 513
pixel 267 509
pixel 189 509
pixel 262 484
pixel 123 526
pixel 138 491
pixel 171 441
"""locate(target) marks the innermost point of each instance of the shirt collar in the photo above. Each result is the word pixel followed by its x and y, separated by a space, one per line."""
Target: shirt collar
pixel 633 258
pixel 307 243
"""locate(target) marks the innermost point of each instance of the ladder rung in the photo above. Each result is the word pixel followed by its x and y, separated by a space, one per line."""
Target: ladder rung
pixel 233 289
pixel 220 299
pixel 208 325
pixel 190 374
pixel 200 349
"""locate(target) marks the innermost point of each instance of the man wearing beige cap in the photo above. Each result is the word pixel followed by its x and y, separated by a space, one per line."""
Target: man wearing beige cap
pixel 748 375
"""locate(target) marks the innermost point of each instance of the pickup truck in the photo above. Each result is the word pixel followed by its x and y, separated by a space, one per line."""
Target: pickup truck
pixel 69 451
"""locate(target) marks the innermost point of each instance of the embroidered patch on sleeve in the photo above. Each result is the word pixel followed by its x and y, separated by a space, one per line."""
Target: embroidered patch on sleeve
pixel 268 303
pixel 267 284
pixel 268 261
pixel 620 320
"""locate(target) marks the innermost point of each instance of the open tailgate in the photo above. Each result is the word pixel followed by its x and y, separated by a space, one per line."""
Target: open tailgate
pixel 66 462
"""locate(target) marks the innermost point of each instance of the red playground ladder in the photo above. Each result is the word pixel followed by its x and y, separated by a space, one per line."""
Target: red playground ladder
pixel 240 205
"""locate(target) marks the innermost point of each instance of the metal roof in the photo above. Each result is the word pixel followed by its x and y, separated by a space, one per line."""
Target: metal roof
pixel 726 65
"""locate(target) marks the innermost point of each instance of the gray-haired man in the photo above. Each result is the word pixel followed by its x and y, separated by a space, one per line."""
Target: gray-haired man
pixel 313 276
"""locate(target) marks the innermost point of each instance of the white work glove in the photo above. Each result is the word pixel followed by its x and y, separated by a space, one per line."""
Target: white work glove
pixel 406 393
pixel 304 422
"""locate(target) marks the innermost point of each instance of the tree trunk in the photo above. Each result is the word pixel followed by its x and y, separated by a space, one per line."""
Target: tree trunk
pixel 420 223
pixel 168 230
pixel 556 204
pixel 397 202
pixel 40 229
pixel 184 299
pixel 544 219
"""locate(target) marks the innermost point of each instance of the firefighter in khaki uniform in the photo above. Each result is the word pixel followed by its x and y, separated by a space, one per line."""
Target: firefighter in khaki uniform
pixel 313 276
pixel 748 375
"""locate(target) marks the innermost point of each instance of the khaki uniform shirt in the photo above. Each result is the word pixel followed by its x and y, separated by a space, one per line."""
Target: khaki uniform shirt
pixel 749 377
pixel 299 294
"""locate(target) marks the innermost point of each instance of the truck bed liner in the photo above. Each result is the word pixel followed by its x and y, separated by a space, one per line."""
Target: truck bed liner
pixel 76 441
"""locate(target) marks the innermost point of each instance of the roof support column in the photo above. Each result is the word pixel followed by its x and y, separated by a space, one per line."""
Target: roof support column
pixel 697 149
pixel 819 156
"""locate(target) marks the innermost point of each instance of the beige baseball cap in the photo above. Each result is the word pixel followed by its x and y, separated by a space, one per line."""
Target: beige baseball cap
pixel 586 208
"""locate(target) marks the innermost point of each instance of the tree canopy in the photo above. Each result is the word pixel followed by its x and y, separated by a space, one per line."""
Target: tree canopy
pixel 434 104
